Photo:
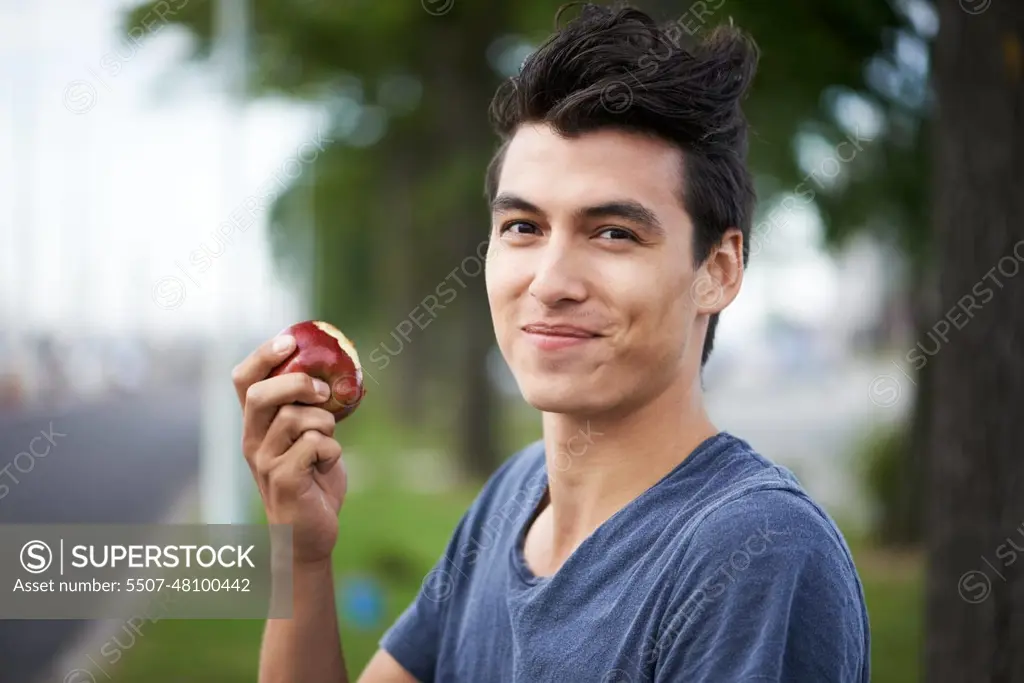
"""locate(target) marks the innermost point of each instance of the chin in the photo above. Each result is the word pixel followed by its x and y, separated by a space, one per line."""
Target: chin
pixel 561 395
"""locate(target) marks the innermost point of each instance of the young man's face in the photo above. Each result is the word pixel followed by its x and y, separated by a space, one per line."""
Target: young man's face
pixel 590 232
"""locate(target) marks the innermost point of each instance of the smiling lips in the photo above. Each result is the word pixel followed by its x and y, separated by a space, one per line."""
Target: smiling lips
pixel 551 337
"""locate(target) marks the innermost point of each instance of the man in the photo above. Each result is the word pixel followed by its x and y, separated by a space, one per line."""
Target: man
pixel 635 541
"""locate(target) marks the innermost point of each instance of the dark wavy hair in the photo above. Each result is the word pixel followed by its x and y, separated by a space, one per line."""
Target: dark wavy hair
pixel 616 67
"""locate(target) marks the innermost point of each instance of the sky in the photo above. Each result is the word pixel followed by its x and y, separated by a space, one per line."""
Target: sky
pixel 117 162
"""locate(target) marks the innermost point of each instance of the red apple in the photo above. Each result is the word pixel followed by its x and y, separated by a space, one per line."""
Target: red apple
pixel 323 352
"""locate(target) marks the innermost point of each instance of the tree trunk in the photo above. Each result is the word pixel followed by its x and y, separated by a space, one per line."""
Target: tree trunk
pixel 905 524
pixel 975 523
pixel 464 85
pixel 412 362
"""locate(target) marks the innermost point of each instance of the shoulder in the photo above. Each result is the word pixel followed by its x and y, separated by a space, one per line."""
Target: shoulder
pixel 750 501
pixel 766 584
pixel 774 519
pixel 765 546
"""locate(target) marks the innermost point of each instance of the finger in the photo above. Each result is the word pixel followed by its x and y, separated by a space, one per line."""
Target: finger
pixel 291 422
pixel 258 364
pixel 264 398
pixel 328 459
pixel 292 473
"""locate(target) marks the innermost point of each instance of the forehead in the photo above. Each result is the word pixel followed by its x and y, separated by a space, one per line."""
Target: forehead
pixel 555 172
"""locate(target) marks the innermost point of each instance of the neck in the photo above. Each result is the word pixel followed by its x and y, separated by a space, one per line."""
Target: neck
pixel 597 465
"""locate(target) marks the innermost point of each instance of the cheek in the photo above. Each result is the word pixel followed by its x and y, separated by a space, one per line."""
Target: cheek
pixel 662 295
pixel 689 292
pixel 503 286
pixel 662 310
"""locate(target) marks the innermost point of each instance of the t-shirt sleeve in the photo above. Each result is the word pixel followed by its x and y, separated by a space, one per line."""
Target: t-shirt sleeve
pixel 771 596
pixel 414 639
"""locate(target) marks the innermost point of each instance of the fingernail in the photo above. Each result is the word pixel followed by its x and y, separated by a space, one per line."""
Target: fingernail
pixel 321 388
pixel 283 343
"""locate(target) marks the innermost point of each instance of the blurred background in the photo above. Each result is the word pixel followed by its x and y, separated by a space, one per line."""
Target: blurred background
pixel 182 179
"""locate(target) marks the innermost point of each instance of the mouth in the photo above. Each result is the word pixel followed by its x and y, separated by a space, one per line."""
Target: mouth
pixel 567 331
pixel 556 337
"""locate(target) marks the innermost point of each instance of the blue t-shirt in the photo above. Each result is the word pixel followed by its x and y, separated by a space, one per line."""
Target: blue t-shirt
pixel 723 571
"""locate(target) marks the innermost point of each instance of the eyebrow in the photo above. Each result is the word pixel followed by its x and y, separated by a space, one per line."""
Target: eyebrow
pixel 630 210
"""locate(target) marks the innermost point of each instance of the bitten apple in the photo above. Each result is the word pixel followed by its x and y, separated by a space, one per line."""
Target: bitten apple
pixel 323 352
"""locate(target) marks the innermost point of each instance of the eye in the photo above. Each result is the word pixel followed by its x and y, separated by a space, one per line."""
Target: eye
pixel 518 227
pixel 618 234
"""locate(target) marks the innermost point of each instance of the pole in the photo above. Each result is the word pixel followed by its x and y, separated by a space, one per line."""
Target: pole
pixel 20 255
pixel 223 474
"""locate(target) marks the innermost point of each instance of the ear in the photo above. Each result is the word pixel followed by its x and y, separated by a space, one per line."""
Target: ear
pixel 718 281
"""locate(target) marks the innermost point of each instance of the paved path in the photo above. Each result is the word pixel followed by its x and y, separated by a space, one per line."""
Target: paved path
pixel 121 460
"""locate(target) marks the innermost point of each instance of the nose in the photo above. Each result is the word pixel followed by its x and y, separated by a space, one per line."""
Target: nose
pixel 558 272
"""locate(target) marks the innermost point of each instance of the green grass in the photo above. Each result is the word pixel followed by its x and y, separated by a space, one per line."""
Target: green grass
pixel 895 598
pixel 396 537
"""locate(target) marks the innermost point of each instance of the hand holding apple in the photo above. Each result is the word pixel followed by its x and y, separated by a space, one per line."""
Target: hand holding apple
pixel 288 423
pixel 323 352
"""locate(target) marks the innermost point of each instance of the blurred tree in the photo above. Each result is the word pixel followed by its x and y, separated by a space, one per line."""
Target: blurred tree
pixel 975 591
pixel 396 201
pixel 884 191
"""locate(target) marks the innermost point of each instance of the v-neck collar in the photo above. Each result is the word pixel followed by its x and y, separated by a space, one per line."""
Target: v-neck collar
pixel 517 557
